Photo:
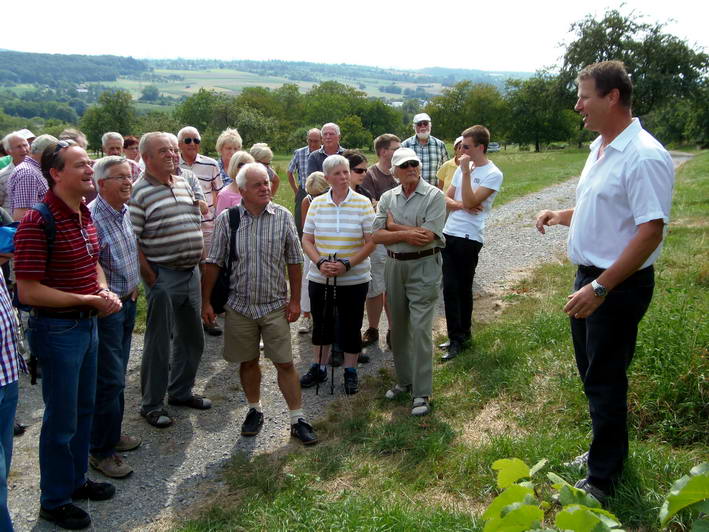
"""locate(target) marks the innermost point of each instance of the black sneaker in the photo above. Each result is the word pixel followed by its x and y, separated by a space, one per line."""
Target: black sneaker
pixel 94 491
pixel 212 330
pixel 304 432
pixel 370 336
pixel 67 516
pixel 351 384
pixel 389 340
pixel 253 423
pixel 313 376
pixel 599 494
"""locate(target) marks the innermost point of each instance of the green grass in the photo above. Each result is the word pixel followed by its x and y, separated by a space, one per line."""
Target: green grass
pixel 515 393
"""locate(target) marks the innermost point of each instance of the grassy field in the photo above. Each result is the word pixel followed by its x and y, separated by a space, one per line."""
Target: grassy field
pixel 515 393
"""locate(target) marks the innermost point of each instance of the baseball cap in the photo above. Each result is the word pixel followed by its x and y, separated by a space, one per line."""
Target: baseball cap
pixel 26 134
pixel 457 141
pixel 421 117
pixel 402 155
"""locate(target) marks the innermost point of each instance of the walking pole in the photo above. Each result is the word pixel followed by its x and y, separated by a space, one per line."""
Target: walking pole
pixel 322 326
pixel 334 323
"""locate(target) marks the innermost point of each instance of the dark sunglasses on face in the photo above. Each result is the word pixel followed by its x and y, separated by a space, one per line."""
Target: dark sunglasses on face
pixel 359 170
pixel 422 123
pixel 407 164
pixel 190 140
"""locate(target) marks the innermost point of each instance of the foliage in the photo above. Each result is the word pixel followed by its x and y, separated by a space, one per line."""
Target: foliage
pixel 689 492
pixel 536 114
pixel 150 93
pixel 662 66
pixel 114 112
pixel 354 135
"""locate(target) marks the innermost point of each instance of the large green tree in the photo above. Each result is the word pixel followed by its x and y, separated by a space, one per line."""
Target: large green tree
pixel 662 66
pixel 114 112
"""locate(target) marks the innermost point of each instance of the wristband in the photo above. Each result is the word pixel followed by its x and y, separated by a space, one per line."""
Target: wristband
pixel 320 262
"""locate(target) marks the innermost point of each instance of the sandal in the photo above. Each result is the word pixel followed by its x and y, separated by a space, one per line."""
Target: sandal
pixel 157 418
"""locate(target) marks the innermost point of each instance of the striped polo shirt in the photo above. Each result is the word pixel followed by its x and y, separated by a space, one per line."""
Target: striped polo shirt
pixel 166 221
pixel 72 263
pixel 340 229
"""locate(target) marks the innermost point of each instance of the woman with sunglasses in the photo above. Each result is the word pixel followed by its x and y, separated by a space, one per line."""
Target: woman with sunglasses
pixel 358 169
pixel 230 195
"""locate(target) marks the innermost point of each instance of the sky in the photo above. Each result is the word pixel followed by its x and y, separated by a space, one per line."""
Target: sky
pixel 506 35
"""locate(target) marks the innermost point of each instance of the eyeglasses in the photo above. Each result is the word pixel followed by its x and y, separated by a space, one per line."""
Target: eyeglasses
pixel 87 242
pixel 409 164
pixel 190 140
pixel 359 170
pixel 122 177
pixel 422 123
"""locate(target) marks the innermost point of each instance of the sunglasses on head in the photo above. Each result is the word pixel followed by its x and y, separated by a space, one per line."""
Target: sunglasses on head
pixel 409 164
pixel 190 140
pixel 359 170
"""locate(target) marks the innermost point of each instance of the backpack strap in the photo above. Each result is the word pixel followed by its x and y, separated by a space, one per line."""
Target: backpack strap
pixel 50 228
pixel 234 221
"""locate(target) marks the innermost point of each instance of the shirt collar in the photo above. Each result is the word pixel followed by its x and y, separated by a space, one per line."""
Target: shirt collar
pixel 52 199
pixel 420 188
pixel 102 204
pixel 340 151
pixel 621 141
pixel 29 160
pixel 330 200
pixel 270 209
pixel 154 181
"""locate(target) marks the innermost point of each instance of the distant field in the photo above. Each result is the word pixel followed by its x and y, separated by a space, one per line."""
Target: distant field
pixel 233 81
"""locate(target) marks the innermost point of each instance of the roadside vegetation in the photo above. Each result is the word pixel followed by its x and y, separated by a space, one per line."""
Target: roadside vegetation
pixel 515 393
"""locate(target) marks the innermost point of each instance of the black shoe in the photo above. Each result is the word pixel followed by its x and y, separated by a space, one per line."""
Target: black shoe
pixel 20 429
pixel 351 384
pixel 94 491
pixel 445 345
pixel 338 357
pixel 313 376
pixel 362 358
pixel 455 349
pixel 599 494
pixel 370 336
pixel 389 340
pixel 67 516
pixel 212 330
pixel 253 423
pixel 304 432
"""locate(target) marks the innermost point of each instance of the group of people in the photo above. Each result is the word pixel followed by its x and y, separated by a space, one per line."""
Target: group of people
pixel 380 237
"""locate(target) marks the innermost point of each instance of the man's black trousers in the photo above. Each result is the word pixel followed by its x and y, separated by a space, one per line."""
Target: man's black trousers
pixel 460 258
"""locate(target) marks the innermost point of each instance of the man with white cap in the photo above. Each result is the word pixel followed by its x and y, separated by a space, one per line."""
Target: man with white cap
pixel 409 222
pixel 430 151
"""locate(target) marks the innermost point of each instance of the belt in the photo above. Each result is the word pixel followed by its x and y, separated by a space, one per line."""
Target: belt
pixel 594 270
pixel 66 314
pixel 413 255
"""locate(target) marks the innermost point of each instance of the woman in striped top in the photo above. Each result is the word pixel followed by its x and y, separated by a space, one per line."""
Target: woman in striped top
pixel 337 237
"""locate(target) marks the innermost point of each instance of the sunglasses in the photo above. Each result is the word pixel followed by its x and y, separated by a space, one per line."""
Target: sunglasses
pixel 359 170
pixel 409 164
pixel 190 140
pixel 423 123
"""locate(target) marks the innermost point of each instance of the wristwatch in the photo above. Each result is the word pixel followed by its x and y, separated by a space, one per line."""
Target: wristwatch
pixel 599 289
pixel 345 263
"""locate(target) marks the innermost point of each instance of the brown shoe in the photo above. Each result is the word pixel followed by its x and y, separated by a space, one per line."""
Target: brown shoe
pixel 112 466
pixel 370 336
pixel 128 443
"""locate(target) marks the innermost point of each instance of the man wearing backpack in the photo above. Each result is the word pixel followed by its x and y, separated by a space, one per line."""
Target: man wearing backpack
pixel 58 275
pixel 265 245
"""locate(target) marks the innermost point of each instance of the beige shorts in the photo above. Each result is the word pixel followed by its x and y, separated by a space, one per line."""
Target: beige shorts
pixel 377 261
pixel 242 335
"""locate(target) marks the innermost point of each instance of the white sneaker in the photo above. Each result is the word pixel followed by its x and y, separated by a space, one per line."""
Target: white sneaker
pixel 306 325
pixel 396 391
pixel 420 406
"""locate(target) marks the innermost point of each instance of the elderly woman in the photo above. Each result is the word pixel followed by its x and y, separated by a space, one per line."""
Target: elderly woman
pixel 315 185
pixel 337 237
pixel 263 154
pixel 228 143
pixel 130 148
pixel 448 168
pixel 230 195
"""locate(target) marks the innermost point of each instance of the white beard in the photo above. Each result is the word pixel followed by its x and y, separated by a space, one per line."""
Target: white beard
pixel 423 135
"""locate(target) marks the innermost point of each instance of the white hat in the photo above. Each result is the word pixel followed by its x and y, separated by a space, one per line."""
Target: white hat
pixel 26 134
pixel 459 139
pixel 421 117
pixel 402 155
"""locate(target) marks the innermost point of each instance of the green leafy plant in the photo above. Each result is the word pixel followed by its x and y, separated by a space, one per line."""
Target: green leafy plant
pixel 690 492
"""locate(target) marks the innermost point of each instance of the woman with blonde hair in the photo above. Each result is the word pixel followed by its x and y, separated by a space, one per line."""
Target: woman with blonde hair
pixel 228 143
pixel 230 195
pixel 263 154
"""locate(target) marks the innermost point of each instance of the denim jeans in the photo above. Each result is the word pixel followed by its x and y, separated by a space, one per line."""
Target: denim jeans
pixel 114 337
pixel 8 404
pixel 605 344
pixel 67 356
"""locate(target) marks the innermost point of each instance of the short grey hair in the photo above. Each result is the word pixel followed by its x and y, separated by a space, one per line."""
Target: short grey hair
pixel 241 176
pixel 7 139
pixel 239 158
pixel 332 162
pixel 146 139
pixel 111 135
pixel 188 130
pixel 261 152
pixel 41 143
pixel 104 164
pixel 332 125
pixel 313 130
pixel 229 136
pixel 172 137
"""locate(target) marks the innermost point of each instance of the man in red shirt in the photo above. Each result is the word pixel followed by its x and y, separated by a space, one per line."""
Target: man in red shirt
pixel 61 279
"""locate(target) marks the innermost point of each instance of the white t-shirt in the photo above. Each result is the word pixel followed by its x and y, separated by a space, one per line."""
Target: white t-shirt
pixel 462 223
pixel 630 185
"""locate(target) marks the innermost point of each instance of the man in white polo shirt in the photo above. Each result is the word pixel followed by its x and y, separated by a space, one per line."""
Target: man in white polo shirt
pixel 623 201
pixel 469 200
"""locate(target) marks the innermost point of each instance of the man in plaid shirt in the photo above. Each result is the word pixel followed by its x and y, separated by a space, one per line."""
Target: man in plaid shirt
pixel 430 150
pixel 299 163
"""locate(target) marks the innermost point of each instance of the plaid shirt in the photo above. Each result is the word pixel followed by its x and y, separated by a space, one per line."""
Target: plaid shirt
pixel 432 154
pixel 299 163
pixel 264 245
pixel 119 252
pixel 11 363
pixel 26 185
pixel 223 173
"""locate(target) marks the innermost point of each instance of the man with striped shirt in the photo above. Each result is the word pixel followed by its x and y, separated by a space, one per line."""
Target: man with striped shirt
pixel 59 276
pixel 430 151
pixel 165 216
pixel 266 245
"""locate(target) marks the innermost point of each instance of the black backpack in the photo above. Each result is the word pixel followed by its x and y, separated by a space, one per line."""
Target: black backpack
pixel 50 233
pixel 220 291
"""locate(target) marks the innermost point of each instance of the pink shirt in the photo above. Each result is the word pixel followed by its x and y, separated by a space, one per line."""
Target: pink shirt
pixel 227 198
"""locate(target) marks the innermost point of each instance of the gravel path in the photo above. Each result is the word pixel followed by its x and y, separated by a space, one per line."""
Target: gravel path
pixel 179 467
